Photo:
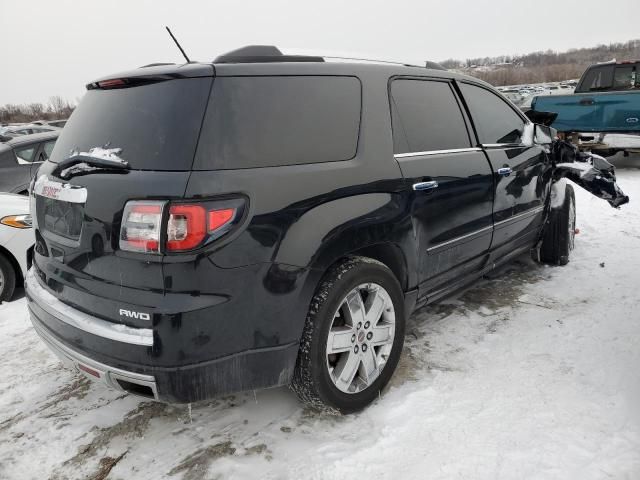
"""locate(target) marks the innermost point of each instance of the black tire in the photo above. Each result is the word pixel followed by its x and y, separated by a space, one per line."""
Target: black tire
pixel 559 232
pixel 311 380
pixel 7 279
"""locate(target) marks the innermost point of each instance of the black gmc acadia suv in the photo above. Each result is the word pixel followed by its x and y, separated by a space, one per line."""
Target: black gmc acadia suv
pixel 268 220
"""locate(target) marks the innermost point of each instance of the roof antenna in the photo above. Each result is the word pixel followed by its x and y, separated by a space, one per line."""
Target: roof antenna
pixel 178 45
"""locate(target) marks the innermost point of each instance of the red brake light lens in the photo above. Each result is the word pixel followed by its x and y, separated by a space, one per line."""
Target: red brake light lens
pixel 190 224
pixel 187 227
pixel 141 222
pixel 114 83
pixel 219 218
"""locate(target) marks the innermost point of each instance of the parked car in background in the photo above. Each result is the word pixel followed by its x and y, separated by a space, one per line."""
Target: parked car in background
pixel 16 242
pixel 21 156
pixel 603 114
pixel 53 123
pixel 12 132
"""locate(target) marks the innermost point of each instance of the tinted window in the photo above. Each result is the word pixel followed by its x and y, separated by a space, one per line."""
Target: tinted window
pixel 270 121
pixel 624 77
pixel 597 78
pixel 155 125
pixel 426 117
pixel 495 121
pixel 47 148
pixel 25 153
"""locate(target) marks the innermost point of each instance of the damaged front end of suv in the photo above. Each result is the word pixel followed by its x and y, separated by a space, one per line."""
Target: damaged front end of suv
pixel 588 170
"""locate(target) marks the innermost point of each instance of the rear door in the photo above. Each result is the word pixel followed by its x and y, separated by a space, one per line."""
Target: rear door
pixel 520 169
pixel 153 125
pixel 450 179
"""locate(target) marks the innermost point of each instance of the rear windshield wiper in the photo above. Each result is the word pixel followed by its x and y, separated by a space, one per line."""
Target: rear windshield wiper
pixel 97 159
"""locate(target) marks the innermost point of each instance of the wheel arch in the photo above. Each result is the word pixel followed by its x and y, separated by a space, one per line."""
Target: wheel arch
pixel 14 263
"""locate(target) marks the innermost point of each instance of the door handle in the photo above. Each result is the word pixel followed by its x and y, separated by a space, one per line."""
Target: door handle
pixel 586 101
pixel 421 186
pixel 505 171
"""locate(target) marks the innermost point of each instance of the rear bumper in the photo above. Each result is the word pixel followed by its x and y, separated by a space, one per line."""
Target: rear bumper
pixel 125 358
pixel 608 141
pixel 144 385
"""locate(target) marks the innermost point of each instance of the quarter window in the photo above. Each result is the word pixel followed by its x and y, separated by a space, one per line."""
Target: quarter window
pixel 25 153
pixel 426 117
pixel 495 121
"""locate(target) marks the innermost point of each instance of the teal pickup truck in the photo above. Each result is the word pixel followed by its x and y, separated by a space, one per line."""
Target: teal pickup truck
pixel 603 115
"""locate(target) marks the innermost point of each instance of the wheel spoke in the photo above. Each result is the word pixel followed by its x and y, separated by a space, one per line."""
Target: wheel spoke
pixel 369 368
pixel 382 335
pixel 355 308
pixel 346 370
pixel 377 304
pixel 340 339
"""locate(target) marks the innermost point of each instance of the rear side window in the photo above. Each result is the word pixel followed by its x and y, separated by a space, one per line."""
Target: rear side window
pixel 273 121
pixel 426 117
pixel 156 125
pixel 495 121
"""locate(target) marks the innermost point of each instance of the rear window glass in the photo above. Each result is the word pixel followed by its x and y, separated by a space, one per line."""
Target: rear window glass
pixel 155 125
pixel 273 121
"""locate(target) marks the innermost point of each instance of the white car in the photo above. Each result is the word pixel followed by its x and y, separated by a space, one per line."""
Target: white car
pixel 16 241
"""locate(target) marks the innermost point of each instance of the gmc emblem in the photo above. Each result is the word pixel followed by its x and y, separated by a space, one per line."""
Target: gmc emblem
pixel 136 315
pixel 50 192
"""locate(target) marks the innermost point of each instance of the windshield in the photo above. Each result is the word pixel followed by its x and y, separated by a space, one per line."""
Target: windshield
pixel 155 126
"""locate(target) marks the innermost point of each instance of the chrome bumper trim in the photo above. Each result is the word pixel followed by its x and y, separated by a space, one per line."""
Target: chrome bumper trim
pixel 618 141
pixel 108 375
pixel 84 321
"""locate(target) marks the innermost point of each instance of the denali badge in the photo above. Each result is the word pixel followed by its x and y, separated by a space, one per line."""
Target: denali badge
pixel 136 315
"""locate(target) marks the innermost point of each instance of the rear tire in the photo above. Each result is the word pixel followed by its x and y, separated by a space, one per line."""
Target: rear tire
pixel 7 279
pixel 559 233
pixel 358 313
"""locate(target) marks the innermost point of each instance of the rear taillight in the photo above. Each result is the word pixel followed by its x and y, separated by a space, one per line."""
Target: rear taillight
pixel 188 225
pixel 141 226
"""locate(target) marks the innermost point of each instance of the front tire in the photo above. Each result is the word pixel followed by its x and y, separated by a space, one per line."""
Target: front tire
pixel 353 337
pixel 559 233
pixel 7 279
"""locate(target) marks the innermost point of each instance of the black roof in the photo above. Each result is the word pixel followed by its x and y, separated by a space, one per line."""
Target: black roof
pixel 269 60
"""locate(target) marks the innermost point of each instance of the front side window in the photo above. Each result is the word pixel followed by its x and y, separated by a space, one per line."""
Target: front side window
pixel 597 78
pixel 274 121
pixel 25 153
pixel 426 117
pixel 496 122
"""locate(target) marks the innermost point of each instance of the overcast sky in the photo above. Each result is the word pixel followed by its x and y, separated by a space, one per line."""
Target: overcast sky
pixel 55 47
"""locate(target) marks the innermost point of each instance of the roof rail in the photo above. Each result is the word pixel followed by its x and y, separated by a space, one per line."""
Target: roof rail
pixel 270 53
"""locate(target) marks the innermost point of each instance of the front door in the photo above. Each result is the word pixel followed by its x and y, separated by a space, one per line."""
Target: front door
pixel 450 180
pixel 520 168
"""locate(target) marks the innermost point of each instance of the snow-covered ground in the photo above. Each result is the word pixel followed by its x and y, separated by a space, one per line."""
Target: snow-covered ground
pixel 533 373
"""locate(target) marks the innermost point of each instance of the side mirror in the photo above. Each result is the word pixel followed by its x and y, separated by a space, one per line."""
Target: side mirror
pixel 544 135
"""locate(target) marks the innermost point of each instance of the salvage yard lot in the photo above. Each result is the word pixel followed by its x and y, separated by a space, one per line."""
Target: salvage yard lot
pixel 532 374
